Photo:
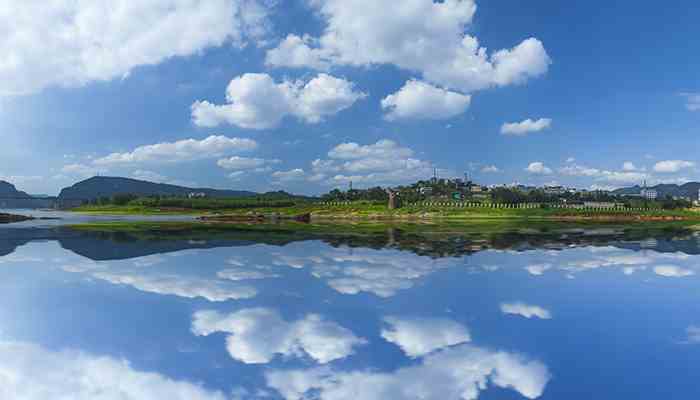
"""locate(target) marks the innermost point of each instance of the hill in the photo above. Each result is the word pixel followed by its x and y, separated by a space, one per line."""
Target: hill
pixel 10 197
pixel 104 186
pixel 689 189
pixel 9 191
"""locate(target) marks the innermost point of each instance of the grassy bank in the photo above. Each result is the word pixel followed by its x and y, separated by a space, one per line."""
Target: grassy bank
pixel 368 211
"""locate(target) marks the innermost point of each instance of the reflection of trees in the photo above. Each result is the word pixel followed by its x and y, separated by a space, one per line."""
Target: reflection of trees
pixel 100 245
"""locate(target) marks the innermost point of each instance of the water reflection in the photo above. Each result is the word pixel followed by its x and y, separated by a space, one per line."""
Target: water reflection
pixel 256 335
pixel 388 315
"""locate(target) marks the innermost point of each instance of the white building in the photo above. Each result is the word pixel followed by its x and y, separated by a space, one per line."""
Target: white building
pixel 649 194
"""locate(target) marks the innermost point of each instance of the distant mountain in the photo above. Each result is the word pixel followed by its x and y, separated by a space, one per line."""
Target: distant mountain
pixel 689 189
pixel 104 186
pixel 10 197
pixel 8 190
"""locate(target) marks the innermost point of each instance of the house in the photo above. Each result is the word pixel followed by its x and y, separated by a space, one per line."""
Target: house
pixel 196 195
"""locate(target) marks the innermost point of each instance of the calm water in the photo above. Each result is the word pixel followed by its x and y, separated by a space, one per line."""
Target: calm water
pixel 574 315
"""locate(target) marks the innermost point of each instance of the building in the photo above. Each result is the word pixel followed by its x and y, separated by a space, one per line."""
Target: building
pixel 649 194
pixel 555 190
pixel 196 195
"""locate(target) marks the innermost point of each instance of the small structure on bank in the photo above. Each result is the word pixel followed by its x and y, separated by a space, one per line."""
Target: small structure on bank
pixel 393 199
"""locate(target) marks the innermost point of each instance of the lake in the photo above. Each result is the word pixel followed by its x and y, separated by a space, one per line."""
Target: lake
pixel 566 314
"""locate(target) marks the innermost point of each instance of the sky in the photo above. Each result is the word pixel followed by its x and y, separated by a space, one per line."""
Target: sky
pixel 308 95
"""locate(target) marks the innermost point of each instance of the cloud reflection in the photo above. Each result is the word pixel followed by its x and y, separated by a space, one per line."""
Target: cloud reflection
pixel 420 336
pixel 525 310
pixel 258 334
pixel 30 372
pixel 457 373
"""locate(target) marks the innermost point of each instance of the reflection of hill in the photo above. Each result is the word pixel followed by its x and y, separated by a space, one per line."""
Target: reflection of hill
pixel 101 246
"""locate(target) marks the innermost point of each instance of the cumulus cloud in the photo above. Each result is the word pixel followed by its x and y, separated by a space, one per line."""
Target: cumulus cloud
pixel 627 175
pixel 296 51
pixel 672 166
pixel 384 162
pixel 420 336
pixel 524 127
pixel 246 163
pixel 425 36
pixel 72 43
pixel 525 310
pixel 490 169
pixel 289 176
pixel 258 334
pixel 672 271
pixel 181 150
pixel 460 372
pixel 256 101
pixel 420 100
pixel 692 101
pixel 538 168
pixel 31 372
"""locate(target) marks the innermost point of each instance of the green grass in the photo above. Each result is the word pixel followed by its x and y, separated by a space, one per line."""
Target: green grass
pixel 369 211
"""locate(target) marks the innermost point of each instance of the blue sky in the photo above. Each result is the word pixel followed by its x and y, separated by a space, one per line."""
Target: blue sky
pixel 327 91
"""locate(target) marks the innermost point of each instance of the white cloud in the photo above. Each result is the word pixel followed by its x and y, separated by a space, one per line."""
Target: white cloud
pixel 244 273
pixel 672 271
pixel 31 372
pixel 628 166
pixel 384 162
pixel 525 310
pixel 295 51
pixel 244 163
pixel 425 36
pixel 289 176
pixel 538 168
pixel 382 149
pixel 164 282
pixel 420 100
pixel 72 43
pixel 538 269
pixel 255 101
pixel 524 127
pixel 461 372
pixel 672 166
pixel 83 170
pixel 692 101
pixel 179 285
pixel 490 169
pixel 625 176
pixel 379 272
pixel 258 334
pixel 181 150
pixel 420 336
pixel 578 170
